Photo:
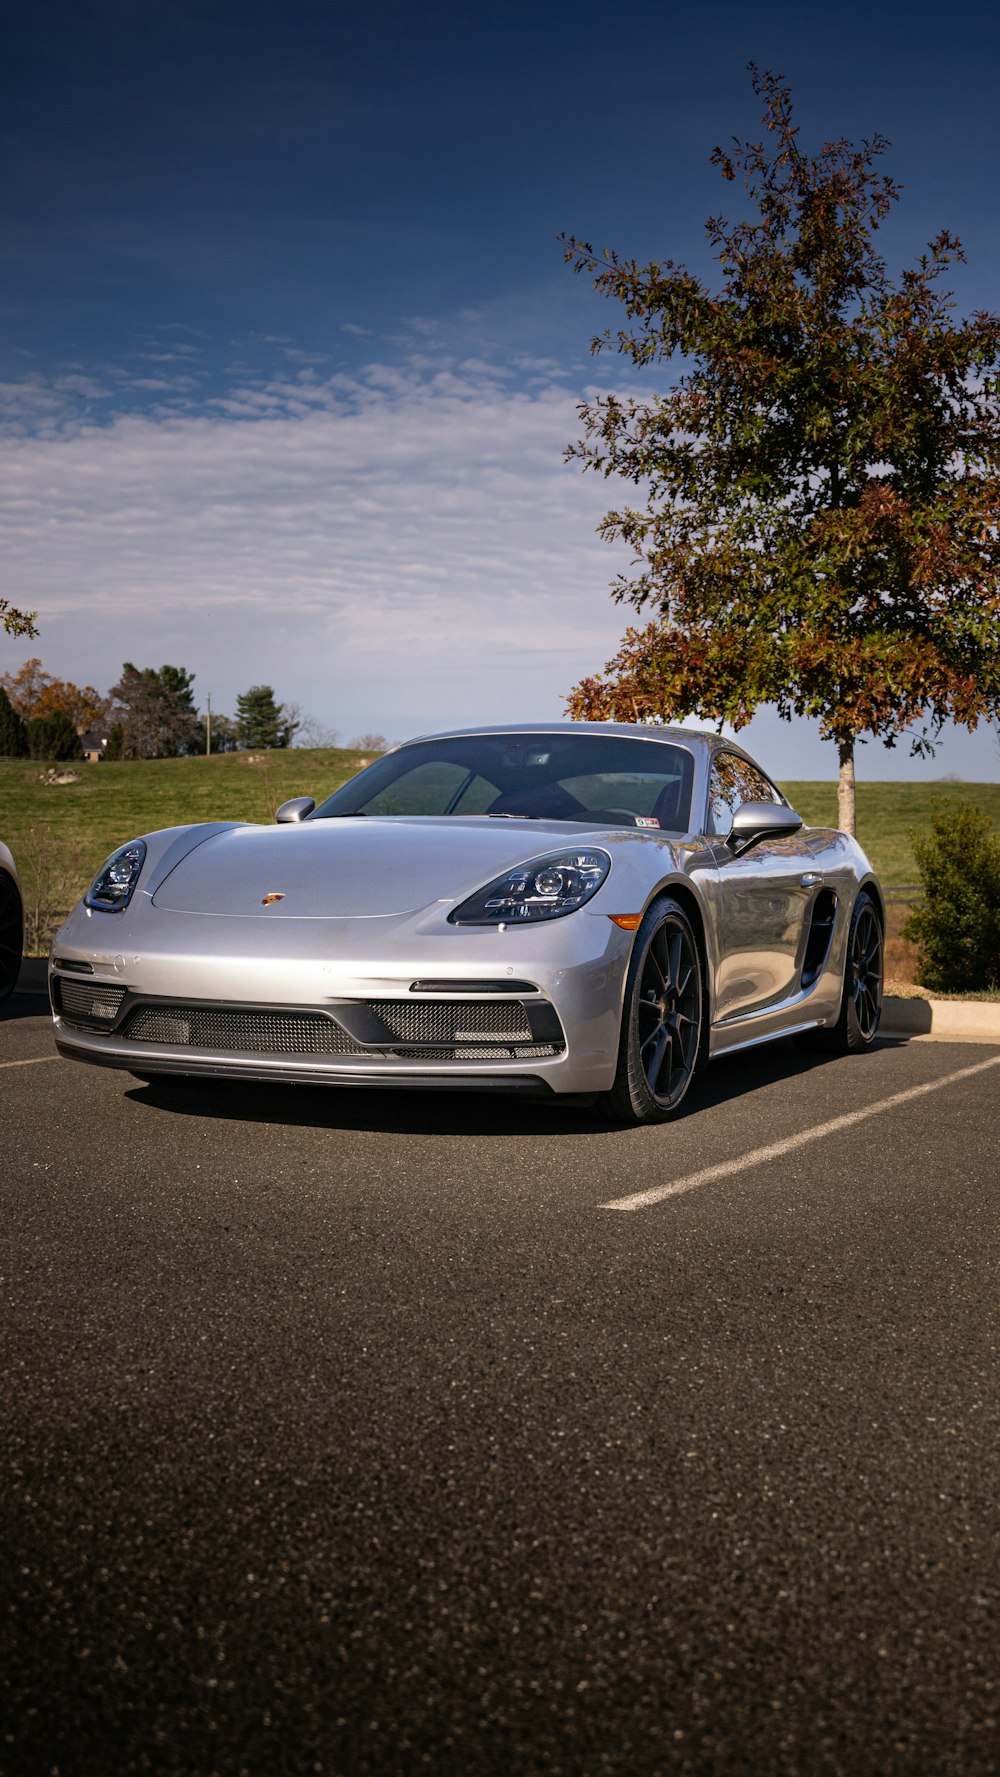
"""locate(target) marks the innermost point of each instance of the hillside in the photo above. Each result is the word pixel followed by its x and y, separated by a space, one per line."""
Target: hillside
pixel 61 833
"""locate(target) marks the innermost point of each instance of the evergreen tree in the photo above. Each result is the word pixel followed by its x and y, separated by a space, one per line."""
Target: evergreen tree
pixel 53 737
pixel 13 734
pixel 261 722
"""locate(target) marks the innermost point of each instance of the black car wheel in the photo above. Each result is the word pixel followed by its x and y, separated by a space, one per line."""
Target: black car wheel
pixel 861 1005
pixel 662 1018
pixel 11 935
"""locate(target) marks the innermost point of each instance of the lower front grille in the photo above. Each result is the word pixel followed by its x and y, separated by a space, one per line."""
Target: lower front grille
pixel 402 1030
pixel 93 1004
pixel 255 1033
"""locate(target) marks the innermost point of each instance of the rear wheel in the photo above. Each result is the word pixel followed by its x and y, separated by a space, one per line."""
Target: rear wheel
pixel 861 1004
pixel 661 1021
pixel 11 935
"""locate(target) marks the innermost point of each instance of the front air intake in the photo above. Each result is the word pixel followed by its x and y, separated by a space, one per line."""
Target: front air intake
pixel 254 1032
pixel 92 1004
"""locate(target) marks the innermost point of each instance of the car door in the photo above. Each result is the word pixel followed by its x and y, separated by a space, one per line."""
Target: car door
pixel 763 897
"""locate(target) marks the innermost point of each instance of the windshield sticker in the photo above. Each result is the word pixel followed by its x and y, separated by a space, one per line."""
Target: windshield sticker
pixel 646 820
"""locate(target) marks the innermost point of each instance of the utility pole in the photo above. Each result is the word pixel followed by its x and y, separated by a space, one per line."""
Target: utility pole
pixel 208 728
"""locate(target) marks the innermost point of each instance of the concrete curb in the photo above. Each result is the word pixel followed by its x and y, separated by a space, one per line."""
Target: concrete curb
pixel 950 1021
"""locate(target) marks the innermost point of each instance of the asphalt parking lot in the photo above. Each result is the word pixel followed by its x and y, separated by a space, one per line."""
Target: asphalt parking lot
pixel 380 1434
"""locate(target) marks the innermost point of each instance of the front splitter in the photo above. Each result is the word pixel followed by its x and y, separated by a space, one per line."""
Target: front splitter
pixel 528 1085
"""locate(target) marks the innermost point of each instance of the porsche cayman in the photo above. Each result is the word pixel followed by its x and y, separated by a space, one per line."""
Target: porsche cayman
pixel 584 910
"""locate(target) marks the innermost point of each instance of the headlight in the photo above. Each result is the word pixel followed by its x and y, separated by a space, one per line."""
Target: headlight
pixel 111 889
pixel 544 889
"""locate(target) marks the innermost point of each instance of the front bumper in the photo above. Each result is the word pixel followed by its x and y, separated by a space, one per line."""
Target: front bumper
pixel 175 974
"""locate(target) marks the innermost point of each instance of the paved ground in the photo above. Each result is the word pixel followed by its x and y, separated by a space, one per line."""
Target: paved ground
pixel 354 1436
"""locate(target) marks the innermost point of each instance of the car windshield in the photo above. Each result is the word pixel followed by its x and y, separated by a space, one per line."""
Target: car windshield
pixel 608 778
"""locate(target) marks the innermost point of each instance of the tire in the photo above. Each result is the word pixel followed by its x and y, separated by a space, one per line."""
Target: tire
pixel 661 1019
pixel 861 1003
pixel 11 935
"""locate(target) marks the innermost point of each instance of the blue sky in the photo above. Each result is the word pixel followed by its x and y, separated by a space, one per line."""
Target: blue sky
pixel 288 354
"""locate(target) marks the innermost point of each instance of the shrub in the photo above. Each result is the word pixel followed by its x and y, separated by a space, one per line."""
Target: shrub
pixel 54 872
pixel 957 923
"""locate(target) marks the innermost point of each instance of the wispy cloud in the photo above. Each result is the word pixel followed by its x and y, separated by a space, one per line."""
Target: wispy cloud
pixel 167 385
pixel 182 355
pixel 394 549
pixel 86 386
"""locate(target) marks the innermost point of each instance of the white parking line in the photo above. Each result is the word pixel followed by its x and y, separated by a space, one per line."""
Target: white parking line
pixel 33 1061
pixel 728 1168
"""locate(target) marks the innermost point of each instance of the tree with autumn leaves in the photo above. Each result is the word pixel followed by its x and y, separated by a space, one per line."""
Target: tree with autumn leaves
pixel 15 622
pixel 34 693
pixel 819 489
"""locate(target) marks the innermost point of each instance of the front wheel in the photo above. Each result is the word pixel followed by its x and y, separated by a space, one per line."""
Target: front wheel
pixel 861 1003
pixel 661 1019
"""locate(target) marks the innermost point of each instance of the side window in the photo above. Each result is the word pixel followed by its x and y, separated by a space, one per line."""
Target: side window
pixel 734 781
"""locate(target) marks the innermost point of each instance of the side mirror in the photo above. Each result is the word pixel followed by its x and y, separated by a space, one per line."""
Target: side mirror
pixel 296 810
pixel 754 821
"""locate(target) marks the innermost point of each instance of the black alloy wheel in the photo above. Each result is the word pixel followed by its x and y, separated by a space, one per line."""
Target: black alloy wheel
pixel 866 971
pixel 861 1005
pixel 11 935
pixel 662 1019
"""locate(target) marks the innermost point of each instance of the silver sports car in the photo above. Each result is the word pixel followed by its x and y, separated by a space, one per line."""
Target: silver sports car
pixel 571 908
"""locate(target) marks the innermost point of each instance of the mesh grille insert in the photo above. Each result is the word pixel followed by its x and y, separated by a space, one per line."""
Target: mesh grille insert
pixel 459 1031
pixel 453 1021
pixel 256 1033
pixel 95 1002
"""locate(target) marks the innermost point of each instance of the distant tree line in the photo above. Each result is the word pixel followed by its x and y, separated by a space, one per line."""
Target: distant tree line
pixel 149 714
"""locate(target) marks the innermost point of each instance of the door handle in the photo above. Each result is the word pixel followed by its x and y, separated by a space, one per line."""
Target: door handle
pixel 810 879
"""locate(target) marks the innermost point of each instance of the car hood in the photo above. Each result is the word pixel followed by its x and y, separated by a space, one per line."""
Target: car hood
pixel 354 868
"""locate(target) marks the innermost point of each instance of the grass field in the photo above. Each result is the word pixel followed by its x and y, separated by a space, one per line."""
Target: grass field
pixel 888 814
pixel 61 833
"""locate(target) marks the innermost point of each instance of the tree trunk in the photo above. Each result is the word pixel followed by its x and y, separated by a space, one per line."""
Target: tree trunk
pixel 845 788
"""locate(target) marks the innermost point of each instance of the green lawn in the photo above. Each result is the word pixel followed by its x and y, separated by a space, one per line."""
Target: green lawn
pixel 888 813
pixel 60 834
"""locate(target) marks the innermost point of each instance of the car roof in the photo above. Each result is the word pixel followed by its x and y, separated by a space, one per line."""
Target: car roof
pixel 631 730
pixel 702 742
